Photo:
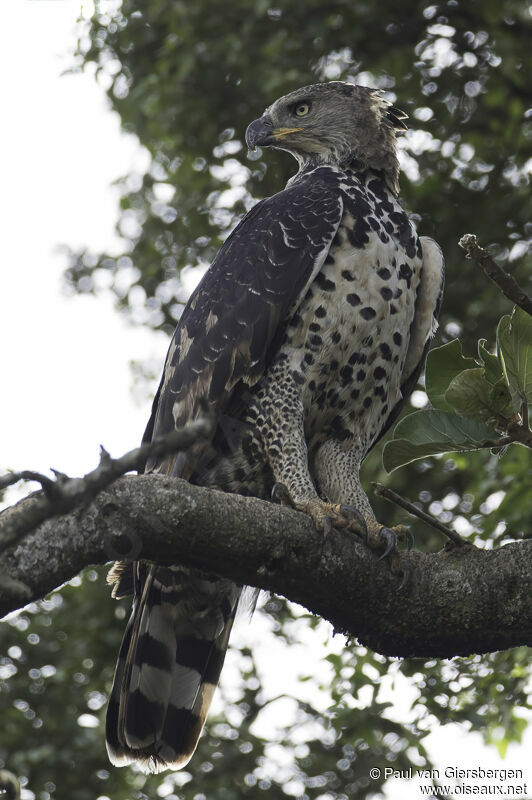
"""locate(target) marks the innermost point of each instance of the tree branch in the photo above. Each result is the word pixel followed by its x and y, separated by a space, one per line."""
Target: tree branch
pixel 508 285
pixel 65 494
pixel 393 497
pixel 458 601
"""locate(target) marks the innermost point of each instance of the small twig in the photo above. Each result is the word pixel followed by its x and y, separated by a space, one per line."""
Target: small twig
pixel 508 285
pixel 26 475
pixel 388 494
pixel 496 444
pixel 66 493
pixel 520 432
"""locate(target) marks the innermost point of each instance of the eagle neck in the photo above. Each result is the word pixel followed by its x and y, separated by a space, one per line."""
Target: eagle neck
pixel 352 164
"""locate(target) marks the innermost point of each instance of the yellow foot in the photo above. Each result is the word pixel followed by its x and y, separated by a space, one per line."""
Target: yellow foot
pixel 339 515
pixel 379 537
pixel 334 515
pixel 325 515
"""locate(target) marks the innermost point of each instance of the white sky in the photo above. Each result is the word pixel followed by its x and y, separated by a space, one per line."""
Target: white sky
pixel 65 383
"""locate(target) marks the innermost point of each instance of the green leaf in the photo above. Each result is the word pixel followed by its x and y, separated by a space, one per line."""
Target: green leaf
pixel 507 356
pixel 492 366
pixel 502 747
pixel 427 433
pixel 443 363
pixel 468 392
pixel 514 343
pixel 471 395
pixel 500 399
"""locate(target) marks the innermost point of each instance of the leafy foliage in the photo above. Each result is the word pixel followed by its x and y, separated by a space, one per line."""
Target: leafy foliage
pixel 426 433
pixel 514 342
pixel 443 364
pixel 472 405
pixel 187 79
pixel 59 660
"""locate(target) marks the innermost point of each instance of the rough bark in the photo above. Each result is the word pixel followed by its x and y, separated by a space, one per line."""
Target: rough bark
pixel 459 601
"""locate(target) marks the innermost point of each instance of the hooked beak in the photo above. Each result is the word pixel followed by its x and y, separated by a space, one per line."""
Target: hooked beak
pixel 262 133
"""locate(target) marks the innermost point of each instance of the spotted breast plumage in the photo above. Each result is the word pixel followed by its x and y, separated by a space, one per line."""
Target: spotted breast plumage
pixel 305 337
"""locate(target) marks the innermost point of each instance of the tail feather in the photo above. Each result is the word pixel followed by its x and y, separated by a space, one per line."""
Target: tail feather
pixel 168 667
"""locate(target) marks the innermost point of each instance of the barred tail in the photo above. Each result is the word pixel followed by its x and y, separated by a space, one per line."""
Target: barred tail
pixel 168 666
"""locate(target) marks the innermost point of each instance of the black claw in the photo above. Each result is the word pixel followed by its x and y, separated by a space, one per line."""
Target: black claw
pixel 327 526
pixel 409 539
pixel 350 512
pixel 405 578
pixel 280 494
pixel 277 490
pixel 390 538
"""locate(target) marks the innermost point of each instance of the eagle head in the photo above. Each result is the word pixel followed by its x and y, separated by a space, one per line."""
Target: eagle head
pixel 333 123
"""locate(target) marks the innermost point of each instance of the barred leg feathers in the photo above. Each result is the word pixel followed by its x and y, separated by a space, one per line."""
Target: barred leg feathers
pixel 168 666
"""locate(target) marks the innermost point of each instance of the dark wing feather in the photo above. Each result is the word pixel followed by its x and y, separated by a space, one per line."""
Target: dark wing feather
pixel 233 322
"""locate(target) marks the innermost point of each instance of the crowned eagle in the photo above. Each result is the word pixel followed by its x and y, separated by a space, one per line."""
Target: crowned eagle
pixel 305 337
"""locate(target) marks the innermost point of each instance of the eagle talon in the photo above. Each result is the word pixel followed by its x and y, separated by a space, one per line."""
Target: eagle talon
pixel 390 539
pixel 406 577
pixel 352 513
pixel 280 494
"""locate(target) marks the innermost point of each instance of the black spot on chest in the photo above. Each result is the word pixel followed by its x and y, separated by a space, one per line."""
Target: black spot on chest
pixel 405 274
pixel 346 374
pixel 386 353
pixel 324 283
pixel 359 234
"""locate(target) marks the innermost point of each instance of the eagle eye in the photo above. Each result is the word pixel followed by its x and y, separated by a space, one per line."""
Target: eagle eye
pixel 301 109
